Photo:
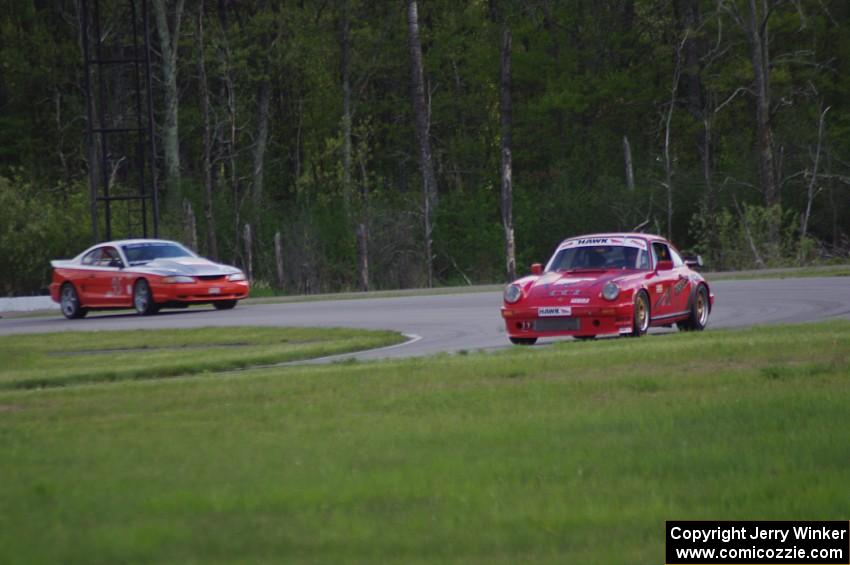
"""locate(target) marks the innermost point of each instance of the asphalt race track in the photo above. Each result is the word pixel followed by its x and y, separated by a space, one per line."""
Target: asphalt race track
pixel 470 321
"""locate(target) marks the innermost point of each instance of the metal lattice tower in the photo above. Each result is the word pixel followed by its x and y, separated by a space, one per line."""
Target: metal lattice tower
pixel 120 142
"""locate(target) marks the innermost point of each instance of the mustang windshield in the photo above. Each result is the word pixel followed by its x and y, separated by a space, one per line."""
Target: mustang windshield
pixel 598 257
pixel 139 253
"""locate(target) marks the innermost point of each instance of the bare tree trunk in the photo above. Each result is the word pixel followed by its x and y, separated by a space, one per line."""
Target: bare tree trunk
pixel 346 110
pixel 420 110
pixel 209 215
pixel 363 255
pixel 169 38
pixel 757 35
pixel 230 148
pixel 278 261
pixel 249 257
pixel 707 169
pixel 507 164
pixel 190 226
pixel 261 144
pixel 810 193
pixel 748 234
pixel 630 170
pixel 668 161
pixel 363 230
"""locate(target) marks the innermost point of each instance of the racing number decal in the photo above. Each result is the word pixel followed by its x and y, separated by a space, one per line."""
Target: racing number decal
pixel 665 299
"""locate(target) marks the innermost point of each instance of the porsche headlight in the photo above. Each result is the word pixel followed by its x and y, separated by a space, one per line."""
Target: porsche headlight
pixel 610 291
pixel 178 279
pixel 236 277
pixel 512 293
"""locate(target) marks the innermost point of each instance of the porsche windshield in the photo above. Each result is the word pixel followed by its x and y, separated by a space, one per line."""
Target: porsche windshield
pixel 598 257
pixel 139 253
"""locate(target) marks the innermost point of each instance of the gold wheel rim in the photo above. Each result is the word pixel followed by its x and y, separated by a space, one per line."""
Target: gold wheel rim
pixel 641 313
pixel 701 311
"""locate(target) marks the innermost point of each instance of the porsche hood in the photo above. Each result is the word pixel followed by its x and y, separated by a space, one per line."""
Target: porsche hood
pixel 586 283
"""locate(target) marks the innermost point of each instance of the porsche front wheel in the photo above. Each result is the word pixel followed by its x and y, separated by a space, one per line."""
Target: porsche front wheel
pixel 640 318
pixel 143 298
pixel 69 301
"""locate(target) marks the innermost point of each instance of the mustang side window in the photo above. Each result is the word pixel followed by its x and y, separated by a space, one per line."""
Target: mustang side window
pixel 92 257
pixel 107 257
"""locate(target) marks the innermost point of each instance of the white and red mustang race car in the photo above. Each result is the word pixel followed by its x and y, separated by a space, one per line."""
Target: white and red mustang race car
pixel 145 274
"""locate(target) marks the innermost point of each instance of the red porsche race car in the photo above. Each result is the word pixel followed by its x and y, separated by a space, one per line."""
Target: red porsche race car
pixel 607 284
pixel 145 274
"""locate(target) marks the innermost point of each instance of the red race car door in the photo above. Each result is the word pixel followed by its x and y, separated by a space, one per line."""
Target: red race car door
pixel 662 303
pixel 86 278
pixel 682 283
pixel 109 287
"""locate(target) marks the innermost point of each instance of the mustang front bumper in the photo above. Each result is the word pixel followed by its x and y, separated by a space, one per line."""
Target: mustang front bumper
pixel 200 291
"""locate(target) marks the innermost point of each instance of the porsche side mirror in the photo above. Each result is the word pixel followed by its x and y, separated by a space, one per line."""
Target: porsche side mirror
pixel 536 268
pixel 694 262
pixel 664 266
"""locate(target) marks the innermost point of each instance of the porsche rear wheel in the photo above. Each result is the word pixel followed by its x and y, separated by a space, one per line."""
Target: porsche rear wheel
pixel 224 304
pixel 143 299
pixel 640 323
pixel 69 301
pixel 698 318
pixel 523 340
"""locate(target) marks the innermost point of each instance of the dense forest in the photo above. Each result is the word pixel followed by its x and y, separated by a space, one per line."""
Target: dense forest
pixel 354 144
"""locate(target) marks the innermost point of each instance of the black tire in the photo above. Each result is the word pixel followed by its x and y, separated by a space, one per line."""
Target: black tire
pixel 640 317
pixel 69 302
pixel 700 307
pixel 224 305
pixel 143 299
pixel 523 340
pixel 585 337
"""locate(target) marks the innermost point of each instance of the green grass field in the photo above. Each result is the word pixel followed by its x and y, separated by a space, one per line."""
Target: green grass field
pixel 60 359
pixel 574 453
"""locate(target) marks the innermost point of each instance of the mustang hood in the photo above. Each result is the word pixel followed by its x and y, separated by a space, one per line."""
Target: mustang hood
pixel 585 283
pixel 191 266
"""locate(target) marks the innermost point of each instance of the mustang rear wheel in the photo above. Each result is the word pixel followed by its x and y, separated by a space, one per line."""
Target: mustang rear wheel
pixel 640 322
pixel 224 304
pixel 143 298
pixel 69 301
pixel 523 340
pixel 698 318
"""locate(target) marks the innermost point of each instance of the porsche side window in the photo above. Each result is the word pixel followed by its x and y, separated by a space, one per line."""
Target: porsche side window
pixel 643 260
pixel 660 252
pixel 677 260
pixel 92 257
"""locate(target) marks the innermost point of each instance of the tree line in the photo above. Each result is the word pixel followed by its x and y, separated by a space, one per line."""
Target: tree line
pixel 347 144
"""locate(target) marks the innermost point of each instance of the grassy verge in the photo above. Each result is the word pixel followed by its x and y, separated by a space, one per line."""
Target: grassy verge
pixel 789 273
pixel 60 359
pixel 572 453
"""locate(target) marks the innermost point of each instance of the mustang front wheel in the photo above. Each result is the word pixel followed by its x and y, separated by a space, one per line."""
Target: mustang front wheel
pixel 143 298
pixel 70 302
pixel 640 319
